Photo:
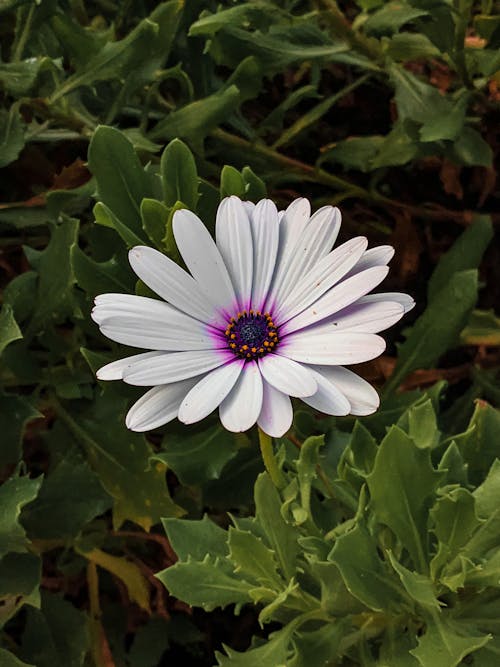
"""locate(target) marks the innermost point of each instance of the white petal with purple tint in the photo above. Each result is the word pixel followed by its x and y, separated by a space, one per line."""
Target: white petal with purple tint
pixel 241 407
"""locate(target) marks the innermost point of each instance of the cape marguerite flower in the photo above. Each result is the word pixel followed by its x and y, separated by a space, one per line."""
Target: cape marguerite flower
pixel 268 311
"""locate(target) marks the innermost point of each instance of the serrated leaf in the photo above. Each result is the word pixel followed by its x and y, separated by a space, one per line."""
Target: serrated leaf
pixel 487 495
pixel 282 538
pixel 121 181
pixel 391 17
pixel 480 445
pixel 8 659
pixel 421 425
pixel 9 330
pixel 196 538
pixel 20 294
pixel 198 457
pixel 253 559
pixel 397 501
pixel 179 175
pixel 355 152
pixel 365 575
pixel 445 643
pixel 273 653
pixel 466 253
pixel 208 584
pixel 15 493
pixel 112 275
pixel 317 647
pixel 11 135
pixel 306 469
pixel 418 586
pixel 70 496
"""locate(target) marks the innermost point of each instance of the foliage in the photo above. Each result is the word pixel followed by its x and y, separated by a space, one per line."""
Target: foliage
pixel 381 548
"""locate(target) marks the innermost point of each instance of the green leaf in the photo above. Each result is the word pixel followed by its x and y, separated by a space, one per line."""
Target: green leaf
pixel 470 149
pixel 9 331
pixel 466 253
pixel 231 183
pixel 9 660
pixel 316 647
pixel 253 559
pixel 405 46
pixel 18 78
pixel 19 584
pixel 15 413
pixel 20 293
pixel 15 493
pixel 438 328
pixel 54 295
pixel 482 328
pixel 397 501
pixel 121 460
pixel 121 181
pixel 446 125
pixel 480 445
pixel 418 586
pixel 487 495
pixel 365 575
pixel 179 175
pixel 273 653
pixel 208 584
pixel 399 147
pixel 445 643
pixel 11 135
pixel 392 17
pixel 306 469
pixel 454 521
pixel 56 636
pixel 354 152
pixel 255 188
pixel 155 216
pixel 112 275
pixel 416 100
pixel 282 537
pixel 71 496
pixel 198 457
pixel 421 425
pixel 196 538
pixel 104 216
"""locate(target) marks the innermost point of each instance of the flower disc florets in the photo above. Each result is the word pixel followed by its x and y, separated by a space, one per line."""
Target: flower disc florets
pixel 251 334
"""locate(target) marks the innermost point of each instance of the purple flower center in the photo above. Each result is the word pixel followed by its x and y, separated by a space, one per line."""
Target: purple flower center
pixel 251 334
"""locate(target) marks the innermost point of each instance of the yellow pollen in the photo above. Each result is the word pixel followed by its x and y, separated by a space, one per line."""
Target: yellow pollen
pixel 244 347
pixel 233 336
pixel 254 350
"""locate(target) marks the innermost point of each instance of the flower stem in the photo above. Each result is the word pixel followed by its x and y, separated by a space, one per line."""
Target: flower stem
pixel 266 448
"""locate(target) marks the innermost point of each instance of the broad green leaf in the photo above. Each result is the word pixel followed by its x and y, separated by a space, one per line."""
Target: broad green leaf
pixel 416 100
pixel 398 147
pixel 54 294
pixel 234 487
pixel 20 294
pixel 56 636
pixel 273 653
pixel 198 457
pixel 480 445
pixel 365 575
pixel 179 175
pixel 336 599
pixel 487 495
pixel 418 586
pixel 121 460
pixel 445 643
pixel 470 149
pixel 8 659
pixel 257 13
pixel 361 451
pixel 154 216
pixel 138 587
pixel 397 501
pixel 405 46
pixel 231 183
pixel 15 493
pixel 208 584
pixel 113 275
pixel 482 328
pixel 70 496
pixel 253 559
pixel 196 538
pixel 438 328
pixel 104 216
pixel 317 647
pixel 354 152
pixel 282 537
pixel 9 331
pixel 449 124
pixel 421 425
pixel 453 466
pixel 391 17
pixel 17 78
pixel 15 413
pixel 19 584
pixel 11 135
pixel 255 188
pixel 121 181
pixel 466 253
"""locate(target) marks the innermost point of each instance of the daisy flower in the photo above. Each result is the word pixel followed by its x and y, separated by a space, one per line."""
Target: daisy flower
pixel 266 312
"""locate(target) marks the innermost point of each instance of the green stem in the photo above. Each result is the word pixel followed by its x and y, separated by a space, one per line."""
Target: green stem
pixel 23 37
pixel 266 448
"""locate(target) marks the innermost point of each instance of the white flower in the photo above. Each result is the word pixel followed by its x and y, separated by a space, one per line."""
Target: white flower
pixel 267 312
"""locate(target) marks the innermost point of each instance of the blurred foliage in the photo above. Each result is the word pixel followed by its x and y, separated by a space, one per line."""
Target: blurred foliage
pixel 383 546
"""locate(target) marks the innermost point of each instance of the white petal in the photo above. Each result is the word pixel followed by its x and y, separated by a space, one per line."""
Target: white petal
pixel 276 415
pixel 234 240
pixel 203 259
pixel 361 395
pixel 328 399
pixel 379 256
pixel 362 316
pixel 321 278
pixel 404 299
pixel 241 407
pixel 174 366
pixel 209 392
pixel 157 407
pixel 314 243
pixel 332 348
pixel 172 283
pixel 142 322
pixel 249 207
pixel 340 296
pixel 287 376
pixel 265 233
pixel 115 369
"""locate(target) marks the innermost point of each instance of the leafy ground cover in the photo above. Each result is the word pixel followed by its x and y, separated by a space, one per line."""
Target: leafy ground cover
pixel 381 543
